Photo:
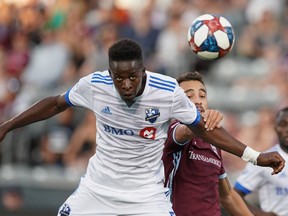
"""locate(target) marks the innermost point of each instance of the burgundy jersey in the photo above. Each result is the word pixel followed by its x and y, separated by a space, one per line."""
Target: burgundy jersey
pixel 192 173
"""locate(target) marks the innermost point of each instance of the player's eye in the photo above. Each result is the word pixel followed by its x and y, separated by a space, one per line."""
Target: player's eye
pixel 282 124
pixel 132 77
pixel 190 96
pixel 118 78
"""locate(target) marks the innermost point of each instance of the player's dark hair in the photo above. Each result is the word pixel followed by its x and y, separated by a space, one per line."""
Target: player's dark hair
pixel 190 76
pixel 125 50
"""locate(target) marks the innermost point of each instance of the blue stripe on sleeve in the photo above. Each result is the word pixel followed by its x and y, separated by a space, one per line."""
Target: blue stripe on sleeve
pixel 198 118
pixel 67 98
pixel 160 87
pixel 163 80
pixel 241 188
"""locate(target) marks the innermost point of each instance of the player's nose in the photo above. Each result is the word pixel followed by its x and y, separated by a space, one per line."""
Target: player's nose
pixel 126 84
pixel 197 101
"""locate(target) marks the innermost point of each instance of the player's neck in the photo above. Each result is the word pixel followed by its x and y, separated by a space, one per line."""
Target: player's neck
pixel 141 90
pixel 284 148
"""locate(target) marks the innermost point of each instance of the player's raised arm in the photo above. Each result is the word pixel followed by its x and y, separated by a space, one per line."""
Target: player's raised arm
pixel 212 119
pixel 41 110
pixel 222 139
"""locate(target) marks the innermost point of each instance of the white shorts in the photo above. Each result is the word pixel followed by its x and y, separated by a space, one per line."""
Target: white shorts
pixel 84 202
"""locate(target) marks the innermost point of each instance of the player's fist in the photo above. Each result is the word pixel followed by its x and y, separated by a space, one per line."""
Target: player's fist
pixel 273 160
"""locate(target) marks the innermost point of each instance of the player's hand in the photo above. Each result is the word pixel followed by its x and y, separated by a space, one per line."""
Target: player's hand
pixel 273 160
pixel 212 118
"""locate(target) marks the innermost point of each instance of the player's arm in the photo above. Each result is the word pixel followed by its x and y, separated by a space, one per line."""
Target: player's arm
pixel 41 110
pixel 223 140
pixel 231 200
pixel 256 211
pixel 212 119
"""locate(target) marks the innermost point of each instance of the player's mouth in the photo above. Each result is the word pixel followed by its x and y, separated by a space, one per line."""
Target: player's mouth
pixel 200 109
pixel 128 96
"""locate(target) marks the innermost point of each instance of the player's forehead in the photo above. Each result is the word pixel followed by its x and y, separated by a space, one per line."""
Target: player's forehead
pixel 283 116
pixel 192 85
pixel 125 66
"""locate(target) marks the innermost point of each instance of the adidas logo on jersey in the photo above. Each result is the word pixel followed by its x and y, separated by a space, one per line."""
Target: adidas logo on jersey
pixel 106 110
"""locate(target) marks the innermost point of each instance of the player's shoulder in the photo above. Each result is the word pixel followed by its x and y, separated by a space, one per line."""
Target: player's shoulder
pixel 160 81
pixel 174 123
pixel 104 73
pixel 97 75
pixel 101 77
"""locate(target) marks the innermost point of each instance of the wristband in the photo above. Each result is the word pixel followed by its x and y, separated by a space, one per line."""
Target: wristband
pixel 250 155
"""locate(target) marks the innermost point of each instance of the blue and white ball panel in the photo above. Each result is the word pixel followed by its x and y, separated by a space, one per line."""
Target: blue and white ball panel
pixel 201 35
pixel 224 22
pixel 222 39
pixel 210 44
pixel 208 55
pixel 230 35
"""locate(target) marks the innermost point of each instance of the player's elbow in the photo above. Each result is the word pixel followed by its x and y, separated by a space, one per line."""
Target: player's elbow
pixel 60 104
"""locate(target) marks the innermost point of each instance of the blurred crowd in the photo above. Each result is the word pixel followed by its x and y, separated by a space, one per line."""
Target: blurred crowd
pixel 47 45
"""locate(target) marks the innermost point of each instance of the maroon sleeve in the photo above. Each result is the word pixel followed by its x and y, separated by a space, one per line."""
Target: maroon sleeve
pixel 170 147
pixel 222 170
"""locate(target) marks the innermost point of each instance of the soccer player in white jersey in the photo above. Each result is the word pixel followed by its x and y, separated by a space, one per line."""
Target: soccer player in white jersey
pixel 133 109
pixel 272 190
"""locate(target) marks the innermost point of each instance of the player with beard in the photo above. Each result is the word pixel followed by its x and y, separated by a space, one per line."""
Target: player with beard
pixel 194 169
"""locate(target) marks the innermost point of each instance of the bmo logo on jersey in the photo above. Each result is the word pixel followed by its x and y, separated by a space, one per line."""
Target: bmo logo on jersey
pixel 117 131
pixel 148 133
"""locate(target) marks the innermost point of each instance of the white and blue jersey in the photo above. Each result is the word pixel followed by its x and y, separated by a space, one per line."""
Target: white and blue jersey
pixel 130 140
pixel 272 189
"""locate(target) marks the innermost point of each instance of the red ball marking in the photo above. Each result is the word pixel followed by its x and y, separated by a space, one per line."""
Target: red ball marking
pixel 193 46
pixel 223 52
pixel 214 25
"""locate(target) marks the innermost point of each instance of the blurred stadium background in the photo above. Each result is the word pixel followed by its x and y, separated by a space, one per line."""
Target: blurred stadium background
pixel 46 45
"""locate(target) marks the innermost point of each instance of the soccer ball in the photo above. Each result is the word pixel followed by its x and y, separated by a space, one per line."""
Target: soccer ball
pixel 211 36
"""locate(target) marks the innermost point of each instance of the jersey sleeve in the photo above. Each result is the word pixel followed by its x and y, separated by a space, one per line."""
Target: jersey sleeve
pixel 171 145
pixel 250 179
pixel 183 109
pixel 81 93
pixel 223 173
